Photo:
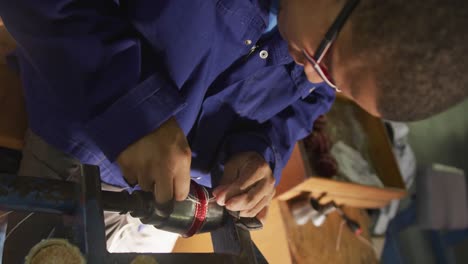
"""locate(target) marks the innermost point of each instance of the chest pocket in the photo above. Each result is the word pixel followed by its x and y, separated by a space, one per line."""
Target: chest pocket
pixel 263 94
pixel 196 38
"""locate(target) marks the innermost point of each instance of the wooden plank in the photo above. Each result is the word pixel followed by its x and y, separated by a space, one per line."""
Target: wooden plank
pixel 353 189
pixel 305 160
pixel 7 43
pixel 381 157
pixel 348 201
pixel 380 147
pixel 197 244
pixel 344 200
pixel 13 119
pixel 310 244
pixel 271 240
pixel 352 202
pixel 293 173
pixel 321 185
pixel 380 150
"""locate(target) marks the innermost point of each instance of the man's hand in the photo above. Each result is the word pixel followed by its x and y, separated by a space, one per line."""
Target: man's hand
pixel 247 185
pixel 160 163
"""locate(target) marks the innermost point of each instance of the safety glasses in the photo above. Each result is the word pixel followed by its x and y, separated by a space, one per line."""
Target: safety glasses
pixel 327 42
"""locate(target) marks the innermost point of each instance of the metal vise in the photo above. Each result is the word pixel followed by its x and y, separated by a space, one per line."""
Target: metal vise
pixel 85 202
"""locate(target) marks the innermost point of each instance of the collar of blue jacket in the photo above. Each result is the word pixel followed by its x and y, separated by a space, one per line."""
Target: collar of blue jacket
pixel 99 76
pixel 272 15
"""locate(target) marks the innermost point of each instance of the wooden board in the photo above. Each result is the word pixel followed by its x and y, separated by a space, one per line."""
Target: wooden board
pixel 294 182
pixel 375 146
pixel 380 151
pixel 293 174
pixel 197 244
pixel 310 244
pixel 13 120
pixel 271 240
pixel 380 147
pixel 7 43
pixel 298 176
pixel 345 193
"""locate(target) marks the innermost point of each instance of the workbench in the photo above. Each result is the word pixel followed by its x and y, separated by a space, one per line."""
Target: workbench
pixel 311 244
pixel 281 241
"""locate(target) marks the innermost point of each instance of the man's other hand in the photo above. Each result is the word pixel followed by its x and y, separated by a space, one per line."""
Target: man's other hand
pixel 247 185
pixel 160 163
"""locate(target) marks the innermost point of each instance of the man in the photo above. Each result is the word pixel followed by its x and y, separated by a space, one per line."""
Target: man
pixel 158 91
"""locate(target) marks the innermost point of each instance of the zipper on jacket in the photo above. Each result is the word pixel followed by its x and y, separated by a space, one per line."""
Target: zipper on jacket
pixel 252 50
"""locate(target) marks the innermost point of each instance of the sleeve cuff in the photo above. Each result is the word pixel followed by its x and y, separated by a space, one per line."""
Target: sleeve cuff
pixel 135 115
pixel 254 142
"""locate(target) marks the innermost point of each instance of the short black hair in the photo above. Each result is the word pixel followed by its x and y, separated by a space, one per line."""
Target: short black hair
pixel 421 47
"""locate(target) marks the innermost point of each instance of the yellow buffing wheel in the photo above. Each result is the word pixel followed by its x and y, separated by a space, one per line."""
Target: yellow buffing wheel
pixel 54 251
pixel 144 259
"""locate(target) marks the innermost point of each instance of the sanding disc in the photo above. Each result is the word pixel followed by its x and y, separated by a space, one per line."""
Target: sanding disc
pixel 54 251
pixel 144 259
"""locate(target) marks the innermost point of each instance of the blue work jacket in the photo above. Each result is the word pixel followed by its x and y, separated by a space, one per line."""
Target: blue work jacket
pixel 100 74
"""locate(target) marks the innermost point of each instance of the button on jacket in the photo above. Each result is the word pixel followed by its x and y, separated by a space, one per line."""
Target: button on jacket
pixel 98 75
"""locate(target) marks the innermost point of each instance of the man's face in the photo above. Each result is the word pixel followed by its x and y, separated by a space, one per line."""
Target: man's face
pixel 303 24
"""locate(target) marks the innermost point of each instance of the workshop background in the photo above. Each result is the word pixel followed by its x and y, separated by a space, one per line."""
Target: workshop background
pixel 440 139
pixel 414 211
